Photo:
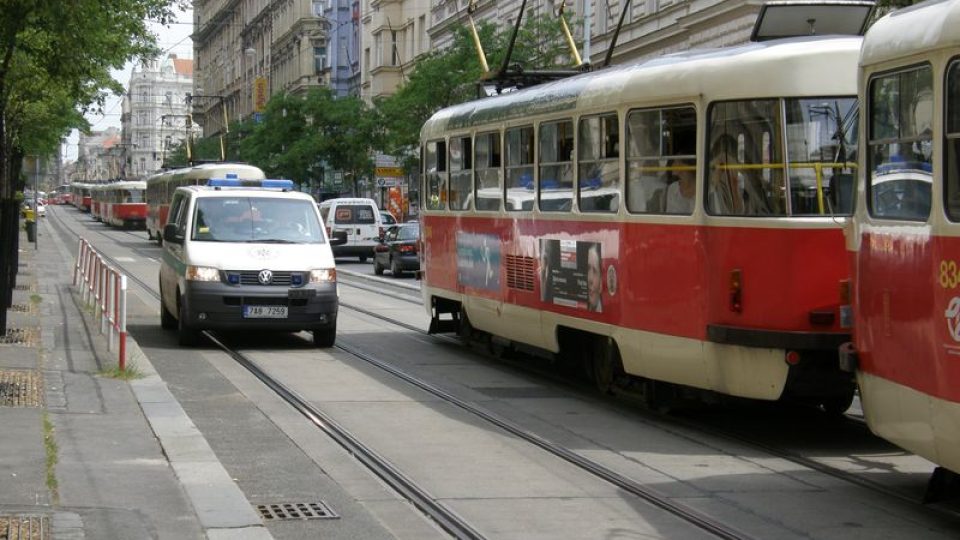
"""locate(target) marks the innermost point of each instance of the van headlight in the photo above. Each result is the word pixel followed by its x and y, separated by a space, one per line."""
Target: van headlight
pixel 202 273
pixel 324 275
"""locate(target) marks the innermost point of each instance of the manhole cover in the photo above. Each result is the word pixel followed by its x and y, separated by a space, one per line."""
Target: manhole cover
pixel 24 528
pixel 20 336
pixel 296 511
pixel 20 389
pixel 20 308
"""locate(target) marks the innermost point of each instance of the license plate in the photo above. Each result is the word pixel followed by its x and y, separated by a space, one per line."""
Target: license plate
pixel 264 312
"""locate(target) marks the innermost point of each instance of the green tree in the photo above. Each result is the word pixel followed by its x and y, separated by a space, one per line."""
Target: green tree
pixel 55 62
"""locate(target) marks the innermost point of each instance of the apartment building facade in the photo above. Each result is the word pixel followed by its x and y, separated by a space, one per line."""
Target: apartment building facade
pixel 154 114
pixel 395 32
pixel 248 50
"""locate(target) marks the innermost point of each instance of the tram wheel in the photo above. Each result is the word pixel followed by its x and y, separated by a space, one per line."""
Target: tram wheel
pixel 606 367
pixel 837 405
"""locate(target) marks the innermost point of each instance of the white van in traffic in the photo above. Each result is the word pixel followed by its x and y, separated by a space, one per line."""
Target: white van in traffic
pixel 358 220
pixel 236 257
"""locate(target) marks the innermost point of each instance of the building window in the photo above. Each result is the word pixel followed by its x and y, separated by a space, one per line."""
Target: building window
pixel 319 59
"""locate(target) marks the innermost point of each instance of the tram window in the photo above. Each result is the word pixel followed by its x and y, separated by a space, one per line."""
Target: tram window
pixel 519 170
pixel 133 196
pixel 461 173
pixel 901 144
pixel 745 177
pixel 489 177
pixel 661 161
pixel 822 153
pixel 435 175
pixel 599 164
pixel 556 166
pixel 952 141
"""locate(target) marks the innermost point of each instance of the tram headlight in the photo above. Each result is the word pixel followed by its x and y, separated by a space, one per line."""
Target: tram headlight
pixel 323 275
pixel 202 273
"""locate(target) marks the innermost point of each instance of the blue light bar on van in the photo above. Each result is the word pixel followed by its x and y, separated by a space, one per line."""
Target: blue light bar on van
pixel 236 182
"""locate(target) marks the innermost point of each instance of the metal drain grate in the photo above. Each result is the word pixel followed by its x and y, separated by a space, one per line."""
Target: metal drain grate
pixel 24 528
pixel 20 389
pixel 296 511
pixel 20 336
pixel 20 308
pixel 21 287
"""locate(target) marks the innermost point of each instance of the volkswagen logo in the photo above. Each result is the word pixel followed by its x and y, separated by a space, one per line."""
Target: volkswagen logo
pixel 265 277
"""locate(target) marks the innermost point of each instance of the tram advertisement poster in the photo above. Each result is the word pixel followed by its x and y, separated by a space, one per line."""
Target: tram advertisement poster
pixel 478 261
pixel 565 274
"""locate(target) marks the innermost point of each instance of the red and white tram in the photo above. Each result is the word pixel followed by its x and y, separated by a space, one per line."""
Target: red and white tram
pixel 98 192
pixel 906 234
pixel 124 205
pixel 679 220
pixel 81 196
pixel 160 188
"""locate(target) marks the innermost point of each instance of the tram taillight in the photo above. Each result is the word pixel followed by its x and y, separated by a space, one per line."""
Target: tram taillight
pixel 736 291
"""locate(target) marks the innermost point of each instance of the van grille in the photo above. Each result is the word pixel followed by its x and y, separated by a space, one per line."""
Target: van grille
pixel 280 278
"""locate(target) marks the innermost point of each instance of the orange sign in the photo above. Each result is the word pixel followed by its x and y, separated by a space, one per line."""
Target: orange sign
pixel 260 94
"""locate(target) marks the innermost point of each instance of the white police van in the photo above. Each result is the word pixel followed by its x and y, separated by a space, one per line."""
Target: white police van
pixel 243 254
pixel 356 224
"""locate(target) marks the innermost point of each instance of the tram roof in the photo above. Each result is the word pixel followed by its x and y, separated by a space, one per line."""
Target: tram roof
pixel 803 66
pixel 128 184
pixel 211 170
pixel 923 27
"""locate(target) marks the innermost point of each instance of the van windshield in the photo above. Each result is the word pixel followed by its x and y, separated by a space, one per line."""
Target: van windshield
pixel 258 220
pixel 354 214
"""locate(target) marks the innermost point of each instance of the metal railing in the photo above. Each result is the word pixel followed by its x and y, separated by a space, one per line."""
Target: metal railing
pixel 106 288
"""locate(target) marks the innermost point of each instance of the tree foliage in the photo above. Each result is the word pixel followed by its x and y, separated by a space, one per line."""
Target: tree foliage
pixel 55 62
pixel 300 138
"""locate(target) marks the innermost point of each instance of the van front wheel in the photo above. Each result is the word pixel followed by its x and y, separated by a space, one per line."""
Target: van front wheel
pixel 325 337
pixel 363 258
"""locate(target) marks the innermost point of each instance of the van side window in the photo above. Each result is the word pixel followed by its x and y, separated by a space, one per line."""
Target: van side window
pixel 489 176
pixel 461 173
pixel 556 166
pixel 598 189
pixel 900 147
pixel 175 210
pixel 435 175
pixel 519 173
pixel 660 144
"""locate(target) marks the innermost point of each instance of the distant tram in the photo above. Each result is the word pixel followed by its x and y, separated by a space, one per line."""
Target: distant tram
pixel 80 195
pixel 675 225
pixel 123 204
pixel 160 188
pixel 906 234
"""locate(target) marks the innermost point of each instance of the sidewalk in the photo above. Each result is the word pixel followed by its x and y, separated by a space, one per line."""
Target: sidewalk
pixel 83 454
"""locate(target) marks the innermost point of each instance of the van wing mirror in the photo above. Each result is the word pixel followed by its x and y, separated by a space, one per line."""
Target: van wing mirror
pixel 171 234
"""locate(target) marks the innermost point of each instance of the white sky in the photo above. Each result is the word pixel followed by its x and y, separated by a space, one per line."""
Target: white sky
pixel 173 39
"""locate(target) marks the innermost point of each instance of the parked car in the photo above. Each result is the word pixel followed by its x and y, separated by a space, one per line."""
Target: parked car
pixel 387 218
pixel 398 250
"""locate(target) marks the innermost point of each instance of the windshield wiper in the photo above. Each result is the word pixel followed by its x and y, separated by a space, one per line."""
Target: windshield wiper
pixel 271 241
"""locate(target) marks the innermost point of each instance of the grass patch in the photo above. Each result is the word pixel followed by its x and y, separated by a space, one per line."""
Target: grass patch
pixel 51 447
pixel 128 374
pixel 36 298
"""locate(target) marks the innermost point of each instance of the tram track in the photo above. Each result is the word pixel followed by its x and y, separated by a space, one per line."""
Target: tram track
pixel 408 488
pixel 694 425
pixel 448 519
